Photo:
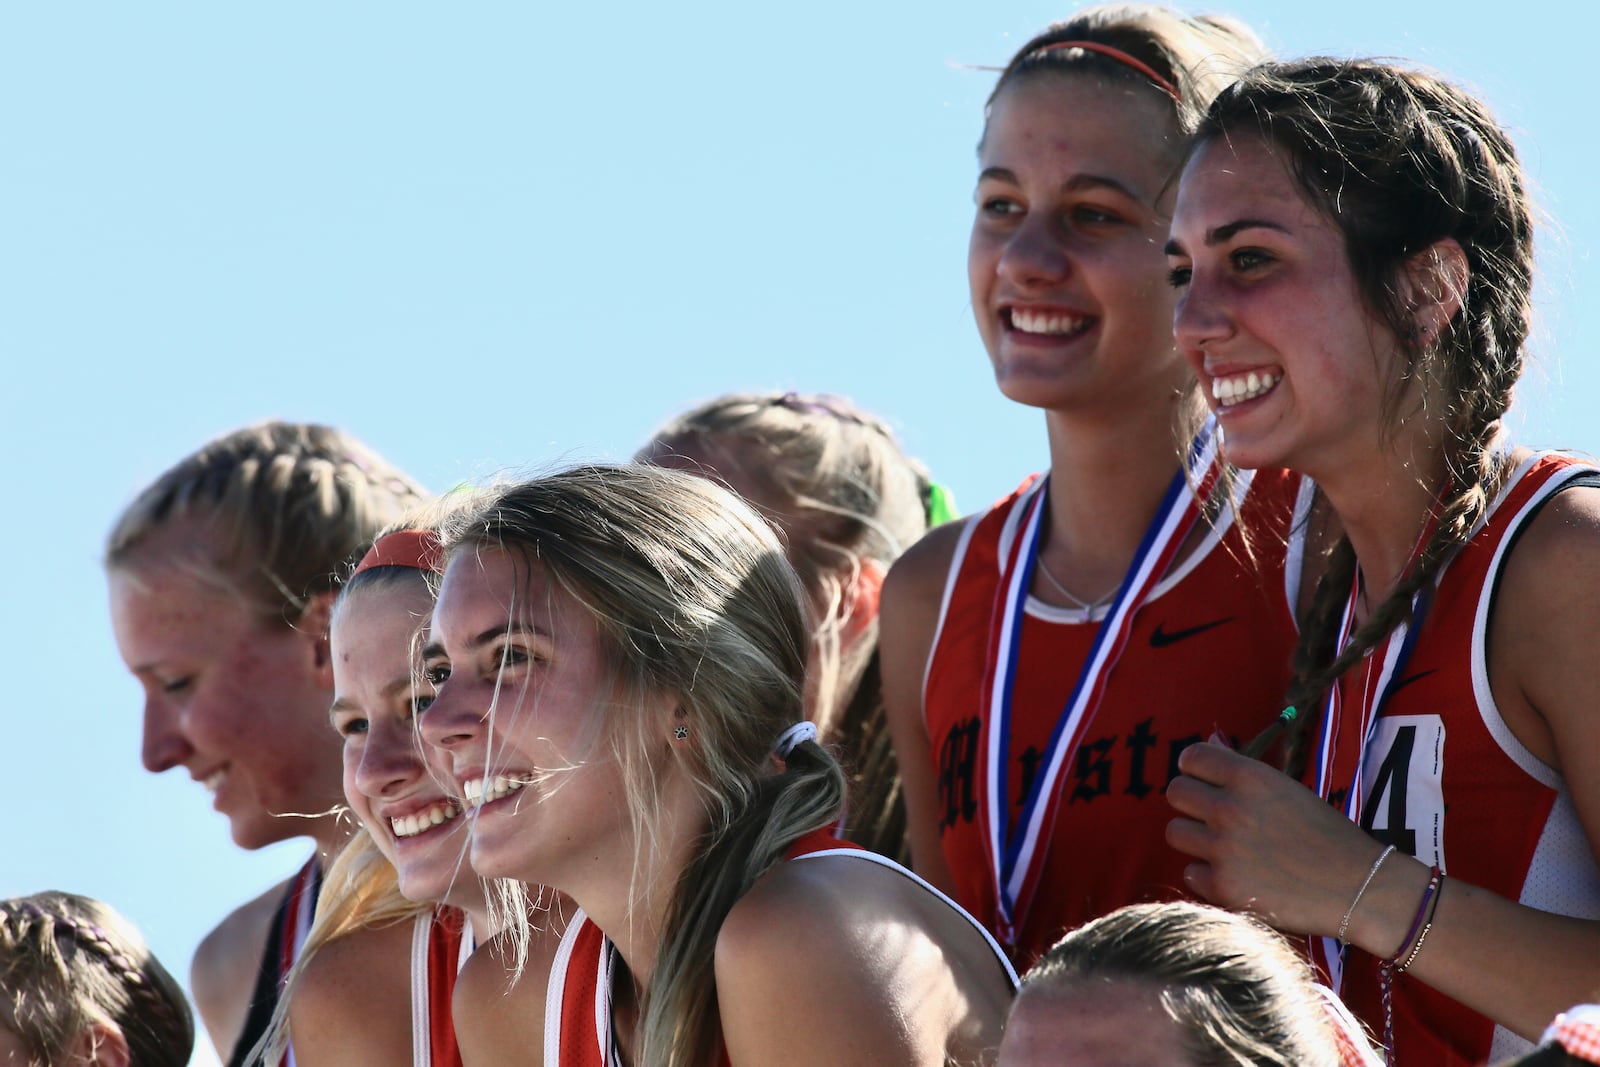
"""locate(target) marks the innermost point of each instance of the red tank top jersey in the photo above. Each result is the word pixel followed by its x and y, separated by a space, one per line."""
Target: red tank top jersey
pixel 578 1030
pixel 439 950
pixel 1209 651
pixel 1447 782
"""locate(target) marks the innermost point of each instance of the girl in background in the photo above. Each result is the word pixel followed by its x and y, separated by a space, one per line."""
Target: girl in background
pixel 79 986
pixel 848 501
pixel 1356 237
pixel 1045 662
pixel 222 574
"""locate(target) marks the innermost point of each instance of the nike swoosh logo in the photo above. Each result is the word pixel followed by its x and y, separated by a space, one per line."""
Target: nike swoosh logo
pixel 1161 637
pixel 1402 683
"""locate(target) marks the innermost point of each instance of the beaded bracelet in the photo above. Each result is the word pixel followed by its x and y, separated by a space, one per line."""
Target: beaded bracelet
pixel 1424 913
pixel 1433 906
pixel 1408 950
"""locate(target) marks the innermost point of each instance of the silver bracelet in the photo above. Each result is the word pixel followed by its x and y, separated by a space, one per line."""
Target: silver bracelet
pixel 1344 924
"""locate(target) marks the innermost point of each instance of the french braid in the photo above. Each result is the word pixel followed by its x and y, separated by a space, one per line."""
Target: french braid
pixel 67 962
pixel 1400 161
pixel 285 510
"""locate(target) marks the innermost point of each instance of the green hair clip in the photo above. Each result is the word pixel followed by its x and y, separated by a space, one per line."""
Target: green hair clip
pixel 941 505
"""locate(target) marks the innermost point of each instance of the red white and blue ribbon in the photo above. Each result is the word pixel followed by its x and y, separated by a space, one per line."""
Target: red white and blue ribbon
pixel 1016 854
pixel 1397 650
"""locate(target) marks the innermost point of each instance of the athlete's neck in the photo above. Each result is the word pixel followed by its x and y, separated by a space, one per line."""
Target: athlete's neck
pixel 1106 484
pixel 1383 500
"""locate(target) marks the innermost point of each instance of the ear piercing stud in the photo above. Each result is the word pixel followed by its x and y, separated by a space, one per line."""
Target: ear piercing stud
pixel 680 732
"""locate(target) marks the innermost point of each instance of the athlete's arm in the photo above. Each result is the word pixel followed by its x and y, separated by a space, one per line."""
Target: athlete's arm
pixel 907 616
pixel 352 1005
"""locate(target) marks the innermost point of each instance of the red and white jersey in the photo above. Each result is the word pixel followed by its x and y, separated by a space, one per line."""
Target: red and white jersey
pixel 1445 781
pixel 440 944
pixel 577 1014
pixel 1208 652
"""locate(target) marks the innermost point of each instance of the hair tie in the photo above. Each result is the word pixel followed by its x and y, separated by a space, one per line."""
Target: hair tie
pixel 797 734
pixel 941 505
pixel 1121 57
pixel 418 549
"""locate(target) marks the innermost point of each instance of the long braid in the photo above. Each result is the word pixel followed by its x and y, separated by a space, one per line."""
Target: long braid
pixel 1401 161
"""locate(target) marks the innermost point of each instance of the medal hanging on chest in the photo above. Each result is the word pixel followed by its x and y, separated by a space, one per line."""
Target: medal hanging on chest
pixel 1016 853
pixel 1338 758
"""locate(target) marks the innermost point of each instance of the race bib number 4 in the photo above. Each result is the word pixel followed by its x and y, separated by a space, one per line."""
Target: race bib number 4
pixel 1402 786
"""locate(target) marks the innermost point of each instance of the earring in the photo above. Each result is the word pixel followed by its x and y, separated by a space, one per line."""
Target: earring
pixel 680 732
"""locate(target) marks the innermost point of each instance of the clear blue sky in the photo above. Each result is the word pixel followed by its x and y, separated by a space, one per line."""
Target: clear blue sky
pixel 489 236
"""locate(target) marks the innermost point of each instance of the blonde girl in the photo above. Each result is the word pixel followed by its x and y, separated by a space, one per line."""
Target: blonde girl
pixel 848 502
pixel 619 655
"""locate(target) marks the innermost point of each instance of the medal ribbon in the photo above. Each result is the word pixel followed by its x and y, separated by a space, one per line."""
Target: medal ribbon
pixel 1016 857
pixel 1397 649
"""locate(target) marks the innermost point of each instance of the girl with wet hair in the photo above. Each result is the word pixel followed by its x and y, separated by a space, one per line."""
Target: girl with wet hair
pixel 78 986
pixel 619 655
pixel 1179 984
pixel 1045 662
pixel 400 907
pixel 848 502
pixel 222 574
pixel 1356 237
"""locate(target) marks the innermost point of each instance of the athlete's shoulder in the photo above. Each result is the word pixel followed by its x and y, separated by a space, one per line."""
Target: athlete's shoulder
pixel 499 1011
pixel 226 962
pixel 352 1004
pixel 881 963
pixel 917 581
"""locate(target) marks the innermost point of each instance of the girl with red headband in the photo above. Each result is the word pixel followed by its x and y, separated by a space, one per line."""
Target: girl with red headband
pixel 400 909
pixel 1045 662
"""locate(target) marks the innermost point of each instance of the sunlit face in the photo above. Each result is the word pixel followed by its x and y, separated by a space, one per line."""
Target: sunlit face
pixel 549 790
pixel 378 689
pixel 1068 281
pixel 1269 314
pixel 1092 1024
pixel 238 702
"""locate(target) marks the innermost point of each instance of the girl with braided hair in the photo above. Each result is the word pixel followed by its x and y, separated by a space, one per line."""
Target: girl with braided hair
pixel 619 655
pixel 848 501
pixel 222 574
pixel 1045 661
pixel 79 987
pixel 1353 248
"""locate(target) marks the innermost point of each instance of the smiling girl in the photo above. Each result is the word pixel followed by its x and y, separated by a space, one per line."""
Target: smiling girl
pixel 619 654
pixel 398 915
pixel 1356 239
pixel 1045 662
pixel 222 574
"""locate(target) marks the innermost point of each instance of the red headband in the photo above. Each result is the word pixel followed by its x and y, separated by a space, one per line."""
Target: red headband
pixel 1121 57
pixel 418 549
